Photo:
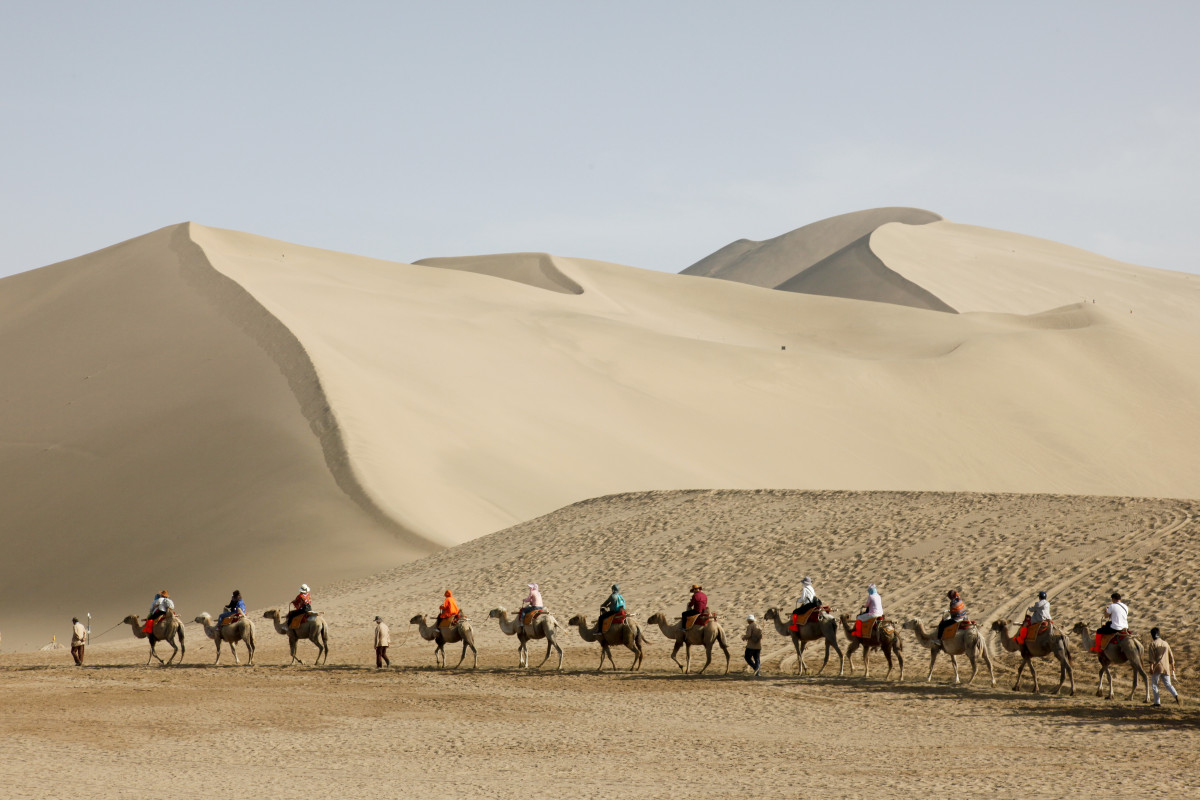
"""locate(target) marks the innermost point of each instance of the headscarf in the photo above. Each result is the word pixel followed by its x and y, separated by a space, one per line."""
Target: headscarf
pixel 806 581
pixel 448 593
pixel 872 590
pixel 616 588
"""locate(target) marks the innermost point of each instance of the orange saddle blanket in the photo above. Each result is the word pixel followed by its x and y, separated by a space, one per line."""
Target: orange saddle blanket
pixel 954 627
pixel 868 629
pixel 1034 629
pixel 531 615
pixel 1103 640
pixel 232 619
pixel 699 620
pixel 300 619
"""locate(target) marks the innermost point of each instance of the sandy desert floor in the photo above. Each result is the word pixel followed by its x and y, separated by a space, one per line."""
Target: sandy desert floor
pixel 118 729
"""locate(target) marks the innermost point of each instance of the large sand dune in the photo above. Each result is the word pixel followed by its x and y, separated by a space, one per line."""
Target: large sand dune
pixel 201 408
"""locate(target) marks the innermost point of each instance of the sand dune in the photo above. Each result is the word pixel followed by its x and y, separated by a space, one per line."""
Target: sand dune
pixel 152 437
pixel 199 392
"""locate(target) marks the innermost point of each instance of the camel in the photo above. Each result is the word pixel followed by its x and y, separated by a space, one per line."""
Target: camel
pixel 1051 643
pixel 885 637
pixel 818 627
pixel 1129 651
pixel 708 634
pixel 165 629
pixel 443 636
pixel 240 631
pixel 965 640
pixel 628 633
pixel 314 629
pixel 544 626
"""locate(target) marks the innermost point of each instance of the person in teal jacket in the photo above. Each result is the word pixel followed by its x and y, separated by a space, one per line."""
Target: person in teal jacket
pixel 611 606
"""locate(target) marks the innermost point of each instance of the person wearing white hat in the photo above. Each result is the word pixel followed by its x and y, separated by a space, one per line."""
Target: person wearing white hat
pixel 383 639
pixel 533 602
pixel 808 597
pixel 753 639
pixel 301 605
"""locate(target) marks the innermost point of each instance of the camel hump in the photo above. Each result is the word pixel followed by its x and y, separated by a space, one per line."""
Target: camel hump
pixel 953 628
pixel 531 615
pixel 617 618
pixel 700 620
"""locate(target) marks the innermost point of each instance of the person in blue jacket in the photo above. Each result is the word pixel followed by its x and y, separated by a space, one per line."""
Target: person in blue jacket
pixel 236 606
pixel 611 606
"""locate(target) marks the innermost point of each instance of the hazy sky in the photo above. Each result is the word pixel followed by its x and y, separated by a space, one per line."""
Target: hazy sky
pixel 643 133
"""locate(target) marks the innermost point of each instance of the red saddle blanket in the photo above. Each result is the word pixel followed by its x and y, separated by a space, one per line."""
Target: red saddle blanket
pixel 867 630
pixel 1034 629
pixel 149 626
pixel 800 620
pixel 620 616
pixel 1103 640
pixel 300 619
pixel 530 616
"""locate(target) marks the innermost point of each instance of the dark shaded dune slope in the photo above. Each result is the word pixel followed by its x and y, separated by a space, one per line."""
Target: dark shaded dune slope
pixel 149 440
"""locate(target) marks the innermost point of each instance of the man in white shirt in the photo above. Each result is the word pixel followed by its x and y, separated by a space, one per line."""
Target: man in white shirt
pixel 78 640
pixel 1039 611
pixel 1118 616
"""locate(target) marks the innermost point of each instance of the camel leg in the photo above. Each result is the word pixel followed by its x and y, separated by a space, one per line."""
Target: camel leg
pixel 799 645
pixel 1020 671
pixel 474 655
pixel 933 654
pixel 233 649
pixel 887 653
pixel 974 666
pixel 954 663
pixel 987 659
pixel 463 656
pixel 866 664
pixel 850 648
pixel 678 644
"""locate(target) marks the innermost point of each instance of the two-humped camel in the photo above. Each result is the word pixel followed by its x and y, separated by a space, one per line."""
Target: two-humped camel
pixel 818 627
pixel 627 633
pixel 884 636
pixel 1127 651
pixel 460 632
pixel 965 641
pixel 242 630
pixel 544 626
pixel 165 629
pixel 314 629
pixel 707 635
pixel 1051 642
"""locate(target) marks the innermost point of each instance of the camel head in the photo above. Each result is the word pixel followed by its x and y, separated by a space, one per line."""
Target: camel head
pixel 1081 627
pixel 132 619
pixel 496 613
pixel 656 619
pixel 771 613
pixel 205 618
pixel 576 620
pixel 1001 625
pixel 272 614
pixel 911 625
pixel 418 619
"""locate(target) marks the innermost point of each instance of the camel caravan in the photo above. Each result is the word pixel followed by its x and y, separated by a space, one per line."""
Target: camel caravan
pixel 956 635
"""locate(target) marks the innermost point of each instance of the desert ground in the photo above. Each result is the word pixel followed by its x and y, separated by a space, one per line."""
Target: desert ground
pixel 497 731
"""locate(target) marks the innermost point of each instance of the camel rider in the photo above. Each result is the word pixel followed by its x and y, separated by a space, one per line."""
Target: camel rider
pixel 449 608
pixel 1118 617
pixel 236 606
pixel 1039 611
pixel 610 607
pixel 872 609
pixel 162 605
pixel 696 606
pixel 301 605
pixel 958 612
pixel 808 599
pixel 533 602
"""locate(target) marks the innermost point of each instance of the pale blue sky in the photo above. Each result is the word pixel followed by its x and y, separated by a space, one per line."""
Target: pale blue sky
pixel 643 133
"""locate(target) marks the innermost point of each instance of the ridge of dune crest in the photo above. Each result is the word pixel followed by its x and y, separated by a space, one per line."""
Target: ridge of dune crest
pixel 539 270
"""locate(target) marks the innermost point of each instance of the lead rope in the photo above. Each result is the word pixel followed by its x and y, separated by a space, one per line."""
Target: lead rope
pixel 110 630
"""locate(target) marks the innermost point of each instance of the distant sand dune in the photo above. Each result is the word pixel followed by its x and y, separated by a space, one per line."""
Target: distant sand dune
pixel 534 269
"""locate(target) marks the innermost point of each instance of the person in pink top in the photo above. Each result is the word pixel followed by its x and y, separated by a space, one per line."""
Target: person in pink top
pixel 534 601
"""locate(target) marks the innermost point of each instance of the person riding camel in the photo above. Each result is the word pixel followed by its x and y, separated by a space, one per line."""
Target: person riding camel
pixel 301 605
pixel 958 613
pixel 611 607
pixel 1118 619
pixel 872 609
pixel 161 605
pixel 696 606
pixel 1039 611
pixel 533 602
pixel 808 599
pixel 449 608
pixel 236 607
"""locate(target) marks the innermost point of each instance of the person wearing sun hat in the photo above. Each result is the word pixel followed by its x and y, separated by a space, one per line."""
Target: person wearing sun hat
pixel 696 606
pixel 302 604
pixel 382 640
pixel 753 639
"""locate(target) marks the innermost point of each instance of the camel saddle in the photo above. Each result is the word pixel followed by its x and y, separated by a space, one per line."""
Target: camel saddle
pixel 230 620
pixel 800 620
pixel 620 616
pixel 450 621
pixel 300 619
pixel 1033 629
pixel 531 615
pixel 1103 640
pixel 150 623
pixel 699 620
pixel 869 630
pixel 954 627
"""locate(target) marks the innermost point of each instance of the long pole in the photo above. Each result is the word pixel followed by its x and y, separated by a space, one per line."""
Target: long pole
pixel 88 638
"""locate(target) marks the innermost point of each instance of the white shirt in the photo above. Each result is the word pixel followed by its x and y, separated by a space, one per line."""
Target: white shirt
pixel 1118 615
pixel 1041 611
pixel 807 595
pixel 163 603
pixel 874 605
pixel 78 634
